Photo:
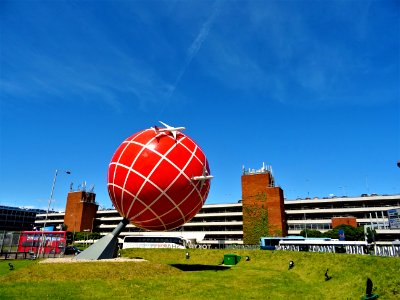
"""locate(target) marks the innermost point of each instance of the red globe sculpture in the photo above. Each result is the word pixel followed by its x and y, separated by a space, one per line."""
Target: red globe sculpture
pixel 158 179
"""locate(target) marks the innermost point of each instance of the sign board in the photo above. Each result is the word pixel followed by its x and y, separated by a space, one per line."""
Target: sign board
pixel 394 218
pixel 341 235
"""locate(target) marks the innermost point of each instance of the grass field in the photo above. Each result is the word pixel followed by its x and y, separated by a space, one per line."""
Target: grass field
pixel 162 276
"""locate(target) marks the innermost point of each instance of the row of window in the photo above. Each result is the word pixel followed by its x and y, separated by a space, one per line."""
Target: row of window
pixel 217 219
pixel 309 226
pixel 362 215
pixel 341 205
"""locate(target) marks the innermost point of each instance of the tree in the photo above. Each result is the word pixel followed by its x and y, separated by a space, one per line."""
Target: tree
pixel 81 236
pixel 63 227
pixel 371 234
pixel 350 233
pixel 256 219
pixel 311 233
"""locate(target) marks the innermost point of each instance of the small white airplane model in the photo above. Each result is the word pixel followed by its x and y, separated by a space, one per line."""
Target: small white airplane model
pixel 203 177
pixel 171 129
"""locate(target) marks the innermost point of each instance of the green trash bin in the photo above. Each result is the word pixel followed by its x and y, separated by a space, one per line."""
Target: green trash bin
pixel 231 259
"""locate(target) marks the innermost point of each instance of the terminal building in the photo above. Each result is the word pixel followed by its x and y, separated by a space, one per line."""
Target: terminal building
pixel 17 218
pixel 262 209
pixel 366 210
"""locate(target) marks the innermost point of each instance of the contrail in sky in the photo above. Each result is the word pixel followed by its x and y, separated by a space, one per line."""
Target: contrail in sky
pixel 196 45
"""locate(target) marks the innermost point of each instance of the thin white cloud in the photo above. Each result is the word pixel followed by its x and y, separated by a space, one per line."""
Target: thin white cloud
pixel 279 52
pixel 86 64
pixel 47 78
pixel 196 45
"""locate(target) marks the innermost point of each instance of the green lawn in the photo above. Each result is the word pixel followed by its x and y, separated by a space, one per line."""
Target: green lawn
pixel 265 276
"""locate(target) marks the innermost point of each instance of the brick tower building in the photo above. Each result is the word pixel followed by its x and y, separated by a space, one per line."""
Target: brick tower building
pixel 80 211
pixel 263 206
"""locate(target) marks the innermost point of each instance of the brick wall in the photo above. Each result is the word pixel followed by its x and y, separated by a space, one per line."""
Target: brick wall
pixel 80 211
pixel 352 221
pixel 258 194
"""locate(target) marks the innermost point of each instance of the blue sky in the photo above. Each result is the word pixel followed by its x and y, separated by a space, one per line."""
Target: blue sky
pixel 309 87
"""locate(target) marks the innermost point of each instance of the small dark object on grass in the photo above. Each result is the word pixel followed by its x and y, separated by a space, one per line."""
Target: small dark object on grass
pixel 247 258
pixel 291 264
pixel 71 250
pixel 197 267
pixel 11 266
pixel 187 255
pixel 368 291
pixel 327 277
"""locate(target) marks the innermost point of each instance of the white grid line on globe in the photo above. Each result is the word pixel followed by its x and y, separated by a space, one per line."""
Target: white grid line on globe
pixel 195 208
pixel 129 193
pixel 115 170
pixel 163 192
pixel 202 199
pixel 199 160
pixel 188 195
pixel 123 189
pixel 143 147
pixel 163 157
pixel 203 164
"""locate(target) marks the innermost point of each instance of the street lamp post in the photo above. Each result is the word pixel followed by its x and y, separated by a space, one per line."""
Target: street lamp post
pixel 86 236
pixel 51 196
pixel 48 209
